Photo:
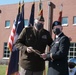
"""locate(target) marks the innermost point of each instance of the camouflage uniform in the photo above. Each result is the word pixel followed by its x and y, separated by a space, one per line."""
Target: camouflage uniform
pixel 30 37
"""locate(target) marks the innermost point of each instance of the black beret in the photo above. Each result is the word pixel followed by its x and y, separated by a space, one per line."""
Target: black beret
pixel 56 23
pixel 41 18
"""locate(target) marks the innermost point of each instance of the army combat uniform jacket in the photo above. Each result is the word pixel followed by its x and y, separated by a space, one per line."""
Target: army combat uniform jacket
pixel 30 37
pixel 59 50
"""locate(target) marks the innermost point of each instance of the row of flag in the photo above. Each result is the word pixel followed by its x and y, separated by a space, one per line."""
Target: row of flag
pixel 13 66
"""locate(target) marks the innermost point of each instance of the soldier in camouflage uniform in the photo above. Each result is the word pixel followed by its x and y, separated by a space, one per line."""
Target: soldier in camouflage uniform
pixel 36 38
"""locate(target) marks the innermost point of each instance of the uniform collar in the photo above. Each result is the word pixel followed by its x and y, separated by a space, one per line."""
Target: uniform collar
pixel 58 35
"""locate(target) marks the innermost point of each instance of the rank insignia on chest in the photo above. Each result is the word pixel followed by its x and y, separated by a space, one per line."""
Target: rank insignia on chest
pixel 44 37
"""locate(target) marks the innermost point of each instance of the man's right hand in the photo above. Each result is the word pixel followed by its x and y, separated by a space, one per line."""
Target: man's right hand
pixel 29 49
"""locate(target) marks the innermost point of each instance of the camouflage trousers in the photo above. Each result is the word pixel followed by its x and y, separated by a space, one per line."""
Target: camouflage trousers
pixel 27 72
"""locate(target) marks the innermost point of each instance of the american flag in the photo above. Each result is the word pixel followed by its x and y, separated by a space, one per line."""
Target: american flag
pixel 12 36
pixel 18 25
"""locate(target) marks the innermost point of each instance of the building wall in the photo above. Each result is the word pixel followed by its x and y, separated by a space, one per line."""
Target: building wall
pixel 9 12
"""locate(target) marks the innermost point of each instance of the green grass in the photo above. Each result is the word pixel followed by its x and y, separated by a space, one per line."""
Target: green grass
pixel 3 69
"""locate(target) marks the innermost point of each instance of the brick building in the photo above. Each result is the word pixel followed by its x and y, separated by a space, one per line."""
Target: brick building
pixel 9 13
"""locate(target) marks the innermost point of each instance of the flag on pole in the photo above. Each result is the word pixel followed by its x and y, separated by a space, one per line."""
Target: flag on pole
pixel 13 31
pixel 60 13
pixel 40 9
pixel 18 25
pixel 31 19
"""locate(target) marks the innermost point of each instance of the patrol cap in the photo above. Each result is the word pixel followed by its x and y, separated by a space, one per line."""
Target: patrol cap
pixel 41 18
pixel 72 60
pixel 56 23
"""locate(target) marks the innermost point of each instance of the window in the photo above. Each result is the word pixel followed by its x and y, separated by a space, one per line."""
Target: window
pixel 7 24
pixel 26 22
pixel 6 53
pixel 72 51
pixel 74 20
pixel 64 21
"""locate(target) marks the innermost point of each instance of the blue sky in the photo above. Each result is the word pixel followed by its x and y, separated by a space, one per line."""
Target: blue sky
pixel 3 2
